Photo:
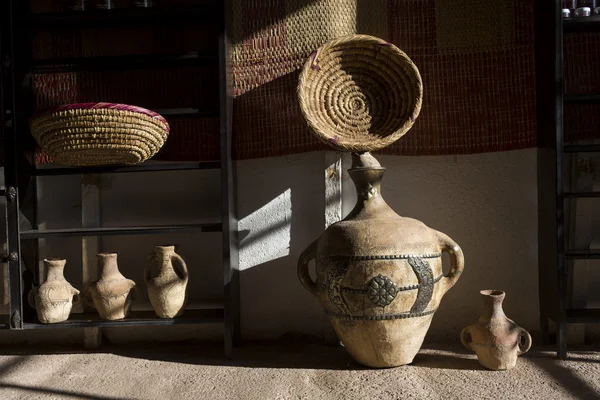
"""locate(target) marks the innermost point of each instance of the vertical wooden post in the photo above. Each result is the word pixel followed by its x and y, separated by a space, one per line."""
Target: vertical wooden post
pixel 90 218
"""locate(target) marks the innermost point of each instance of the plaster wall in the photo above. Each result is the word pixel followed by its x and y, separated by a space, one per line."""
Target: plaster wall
pixel 486 203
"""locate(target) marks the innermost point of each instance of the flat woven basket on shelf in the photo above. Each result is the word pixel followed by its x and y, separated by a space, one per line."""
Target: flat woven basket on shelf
pixel 91 134
pixel 360 93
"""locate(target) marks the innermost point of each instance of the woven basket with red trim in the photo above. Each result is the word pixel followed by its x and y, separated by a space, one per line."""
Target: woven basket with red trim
pixel 92 134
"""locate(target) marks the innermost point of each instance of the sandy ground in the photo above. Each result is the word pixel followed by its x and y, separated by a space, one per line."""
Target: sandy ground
pixel 286 371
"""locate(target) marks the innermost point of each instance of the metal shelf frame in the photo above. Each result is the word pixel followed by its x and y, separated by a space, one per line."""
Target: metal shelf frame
pixel 581 24
pixel 136 318
pixel 17 24
pixel 555 260
pixel 134 230
pixel 117 169
pixel 108 63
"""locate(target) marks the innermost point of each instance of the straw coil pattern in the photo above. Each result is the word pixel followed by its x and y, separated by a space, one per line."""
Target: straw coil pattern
pixel 360 93
pixel 99 136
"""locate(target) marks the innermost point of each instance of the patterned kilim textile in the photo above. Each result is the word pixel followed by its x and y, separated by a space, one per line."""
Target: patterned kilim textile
pixel 476 58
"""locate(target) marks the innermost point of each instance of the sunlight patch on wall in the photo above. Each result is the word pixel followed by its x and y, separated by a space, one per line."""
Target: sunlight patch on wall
pixel 266 233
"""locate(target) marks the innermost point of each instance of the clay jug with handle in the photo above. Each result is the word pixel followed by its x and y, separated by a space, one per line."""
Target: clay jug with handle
pixel 496 339
pixel 379 275
pixel 167 277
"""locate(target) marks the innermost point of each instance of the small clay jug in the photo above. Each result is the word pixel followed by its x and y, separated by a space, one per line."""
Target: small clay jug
pixel 112 294
pixel 167 288
pixel 54 299
pixel 495 338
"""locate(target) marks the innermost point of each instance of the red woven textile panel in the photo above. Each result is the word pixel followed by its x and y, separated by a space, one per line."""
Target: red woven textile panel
pixel 476 58
pixel 478 69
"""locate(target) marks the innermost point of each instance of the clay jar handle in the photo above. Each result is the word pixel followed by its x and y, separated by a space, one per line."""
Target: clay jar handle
pixel 308 254
pixel 183 272
pixel 524 342
pixel 457 259
pixel 465 337
pixel 76 298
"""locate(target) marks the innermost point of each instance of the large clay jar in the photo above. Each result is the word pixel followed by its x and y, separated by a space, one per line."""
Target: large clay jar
pixel 54 299
pixel 495 338
pixel 379 275
pixel 112 294
pixel 167 287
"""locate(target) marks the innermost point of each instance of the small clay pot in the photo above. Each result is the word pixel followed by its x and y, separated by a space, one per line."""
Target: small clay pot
pixel 54 299
pixel 112 295
pixel 495 338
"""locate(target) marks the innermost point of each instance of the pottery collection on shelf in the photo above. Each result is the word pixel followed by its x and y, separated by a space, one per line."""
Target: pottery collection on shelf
pixel 496 339
pixel 378 274
pixel 112 295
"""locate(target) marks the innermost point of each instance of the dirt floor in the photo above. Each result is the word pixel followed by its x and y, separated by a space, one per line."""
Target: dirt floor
pixel 287 371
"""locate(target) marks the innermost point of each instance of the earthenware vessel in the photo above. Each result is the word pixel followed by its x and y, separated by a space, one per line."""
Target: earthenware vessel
pixel 112 294
pixel 495 338
pixel 167 287
pixel 54 299
pixel 379 275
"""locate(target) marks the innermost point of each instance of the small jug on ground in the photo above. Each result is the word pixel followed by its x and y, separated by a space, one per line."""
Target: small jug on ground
pixel 167 288
pixel 495 338
pixel 112 294
pixel 54 299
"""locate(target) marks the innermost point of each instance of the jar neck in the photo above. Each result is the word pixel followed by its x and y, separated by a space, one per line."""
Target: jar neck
pixel 55 269
pixel 164 252
pixel 492 306
pixel 367 174
pixel 107 262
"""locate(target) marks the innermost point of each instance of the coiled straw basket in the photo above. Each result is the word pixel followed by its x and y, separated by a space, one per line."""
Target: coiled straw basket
pixel 360 93
pixel 91 134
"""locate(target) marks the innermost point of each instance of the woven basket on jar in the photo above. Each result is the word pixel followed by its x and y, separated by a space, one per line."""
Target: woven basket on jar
pixel 91 134
pixel 360 93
